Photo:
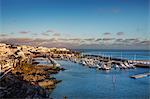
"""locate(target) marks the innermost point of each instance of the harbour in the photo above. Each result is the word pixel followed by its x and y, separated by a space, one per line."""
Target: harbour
pixel 80 82
pixel 74 49
pixel 82 76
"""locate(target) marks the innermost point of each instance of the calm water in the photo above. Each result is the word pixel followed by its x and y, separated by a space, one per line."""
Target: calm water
pixel 80 82
pixel 42 61
pixel 126 54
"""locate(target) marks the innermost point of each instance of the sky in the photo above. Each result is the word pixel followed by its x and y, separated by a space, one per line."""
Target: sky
pixel 88 23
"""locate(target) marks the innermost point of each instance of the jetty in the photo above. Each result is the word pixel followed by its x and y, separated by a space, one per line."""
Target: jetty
pixel 140 75
pixel 142 65
pixel 106 63
pixel 44 60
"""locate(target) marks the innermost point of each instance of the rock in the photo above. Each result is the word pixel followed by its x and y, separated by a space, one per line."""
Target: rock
pixel 52 71
pixel 21 89
pixel 34 78
pixel 46 83
pixel 29 82
pixel 62 69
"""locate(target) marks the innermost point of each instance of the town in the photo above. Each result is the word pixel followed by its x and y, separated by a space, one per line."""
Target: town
pixel 34 66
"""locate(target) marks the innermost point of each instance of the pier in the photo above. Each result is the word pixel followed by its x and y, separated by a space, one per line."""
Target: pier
pixel 140 75
pixel 44 60
pixel 107 63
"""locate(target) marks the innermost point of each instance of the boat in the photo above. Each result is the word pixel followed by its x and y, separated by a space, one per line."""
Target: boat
pixel 98 66
pixel 123 66
pixel 105 66
pixel 116 66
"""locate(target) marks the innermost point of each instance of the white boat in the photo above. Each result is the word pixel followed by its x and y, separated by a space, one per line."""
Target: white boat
pixel 84 63
pixel 117 66
pixel 98 66
pixel 132 65
pixel 105 67
pixel 127 65
pixel 123 66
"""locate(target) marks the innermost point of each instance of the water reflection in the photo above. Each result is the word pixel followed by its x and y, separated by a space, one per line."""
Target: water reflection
pixel 80 82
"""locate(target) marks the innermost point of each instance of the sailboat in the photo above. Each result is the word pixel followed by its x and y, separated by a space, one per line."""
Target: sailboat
pixel 123 66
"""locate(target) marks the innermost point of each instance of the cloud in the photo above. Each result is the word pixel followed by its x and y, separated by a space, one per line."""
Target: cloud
pixel 62 44
pixel 24 32
pixel 56 34
pixel 51 31
pixel 17 41
pixel 128 41
pixel 3 35
pixel 147 42
pixel 45 34
pixel 90 39
pixel 24 39
pixel 34 34
pixel 75 40
pixel 119 40
pixel 108 39
pixel 98 39
pixel 12 33
pixel 132 40
pixel 106 33
pixel 53 40
pixel 63 39
pixel 120 33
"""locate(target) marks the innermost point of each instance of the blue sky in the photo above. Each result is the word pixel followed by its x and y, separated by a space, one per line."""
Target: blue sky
pixel 75 19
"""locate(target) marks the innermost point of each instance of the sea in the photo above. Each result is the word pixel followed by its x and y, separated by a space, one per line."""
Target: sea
pixel 123 54
pixel 81 82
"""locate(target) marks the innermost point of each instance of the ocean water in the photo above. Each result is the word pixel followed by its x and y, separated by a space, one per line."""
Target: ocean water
pixel 81 82
pixel 124 54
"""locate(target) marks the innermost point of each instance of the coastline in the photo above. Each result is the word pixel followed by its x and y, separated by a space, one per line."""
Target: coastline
pixel 22 77
pixel 27 81
pixel 35 77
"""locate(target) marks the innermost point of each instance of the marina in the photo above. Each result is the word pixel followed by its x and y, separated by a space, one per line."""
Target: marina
pixel 106 63
pixel 74 49
pixel 81 82
pixel 82 76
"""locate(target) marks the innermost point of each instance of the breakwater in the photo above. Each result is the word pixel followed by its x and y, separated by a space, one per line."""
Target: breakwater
pixel 105 63
pixel 140 75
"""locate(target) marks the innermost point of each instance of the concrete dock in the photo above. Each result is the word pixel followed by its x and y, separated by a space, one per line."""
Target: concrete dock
pixel 140 75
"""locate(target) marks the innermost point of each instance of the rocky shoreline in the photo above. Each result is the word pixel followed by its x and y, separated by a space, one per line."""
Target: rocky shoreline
pixel 23 77
pixel 26 71
pixel 29 82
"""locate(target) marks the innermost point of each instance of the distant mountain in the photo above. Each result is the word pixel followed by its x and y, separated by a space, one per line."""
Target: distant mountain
pixel 72 45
